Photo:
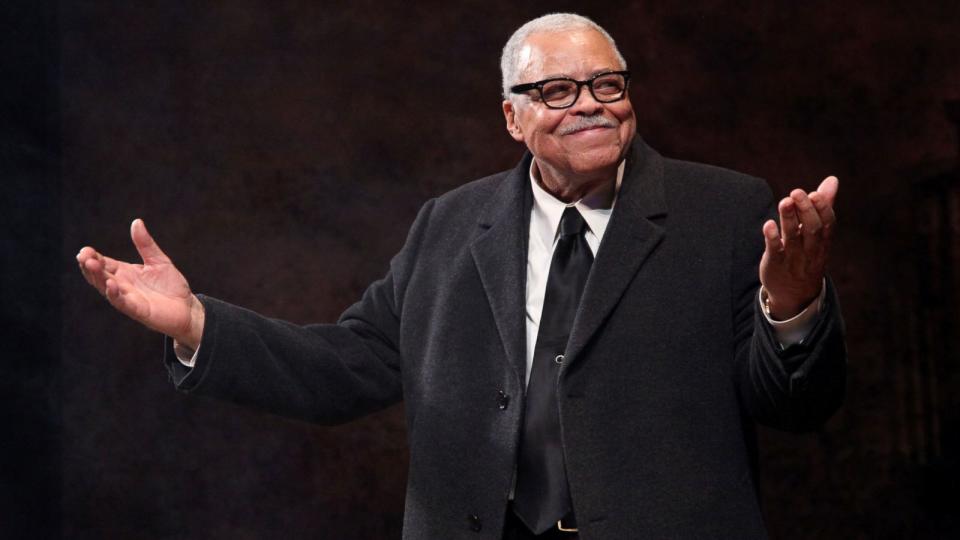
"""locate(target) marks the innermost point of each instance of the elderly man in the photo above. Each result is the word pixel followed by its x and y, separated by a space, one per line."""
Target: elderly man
pixel 583 343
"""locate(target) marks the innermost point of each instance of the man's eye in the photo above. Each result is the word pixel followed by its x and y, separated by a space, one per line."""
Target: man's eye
pixel 556 91
pixel 608 86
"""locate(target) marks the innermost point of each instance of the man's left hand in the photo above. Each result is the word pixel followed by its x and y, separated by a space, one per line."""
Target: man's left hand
pixel 795 259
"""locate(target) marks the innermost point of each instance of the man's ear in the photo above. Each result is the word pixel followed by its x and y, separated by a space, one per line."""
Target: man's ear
pixel 510 115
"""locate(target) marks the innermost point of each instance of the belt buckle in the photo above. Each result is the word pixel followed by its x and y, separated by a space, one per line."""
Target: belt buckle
pixel 566 529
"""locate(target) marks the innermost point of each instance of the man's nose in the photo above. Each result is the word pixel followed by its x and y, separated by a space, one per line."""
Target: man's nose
pixel 585 103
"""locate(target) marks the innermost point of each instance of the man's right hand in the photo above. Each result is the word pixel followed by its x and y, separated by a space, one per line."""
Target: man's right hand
pixel 154 293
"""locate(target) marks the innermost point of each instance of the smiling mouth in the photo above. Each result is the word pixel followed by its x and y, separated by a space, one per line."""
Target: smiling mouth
pixel 589 129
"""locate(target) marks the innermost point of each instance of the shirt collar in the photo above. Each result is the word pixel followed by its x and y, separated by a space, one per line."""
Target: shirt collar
pixel 547 209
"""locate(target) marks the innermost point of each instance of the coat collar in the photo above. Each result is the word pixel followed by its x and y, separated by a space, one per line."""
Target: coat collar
pixel 500 250
pixel 636 228
pixel 500 253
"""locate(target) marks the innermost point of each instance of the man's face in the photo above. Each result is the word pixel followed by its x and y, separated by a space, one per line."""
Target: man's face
pixel 549 133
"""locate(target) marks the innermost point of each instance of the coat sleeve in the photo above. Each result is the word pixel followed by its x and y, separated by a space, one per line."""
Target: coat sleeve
pixel 324 373
pixel 797 388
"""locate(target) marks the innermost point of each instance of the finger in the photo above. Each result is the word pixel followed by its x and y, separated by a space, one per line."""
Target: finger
pixel 97 274
pixel 789 223
pixel 111 289
pixel 115 296
pixel 85 253
pixel 86 275
pixel 771 237
pixel 90 266
pixel 827 216
pixel 82 256
pixel 109 264
pixel 809 219
pixel 149 251
pixel 122 297
pixel 828 189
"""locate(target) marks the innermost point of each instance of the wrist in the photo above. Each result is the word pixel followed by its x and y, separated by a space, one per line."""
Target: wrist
pixel 191 336
pixel 778 308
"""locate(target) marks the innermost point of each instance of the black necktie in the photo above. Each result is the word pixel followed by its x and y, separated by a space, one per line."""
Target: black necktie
pixel 542 496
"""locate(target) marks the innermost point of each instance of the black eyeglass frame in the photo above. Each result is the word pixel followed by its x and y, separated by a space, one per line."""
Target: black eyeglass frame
pixel 538 86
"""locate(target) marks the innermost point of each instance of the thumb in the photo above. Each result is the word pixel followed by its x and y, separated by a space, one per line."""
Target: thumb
pixel 149 251
pixel 772 243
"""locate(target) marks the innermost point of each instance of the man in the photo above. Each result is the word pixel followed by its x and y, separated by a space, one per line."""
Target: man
pixel 582 343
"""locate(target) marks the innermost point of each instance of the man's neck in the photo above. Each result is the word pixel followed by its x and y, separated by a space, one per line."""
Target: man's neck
pixel 601 186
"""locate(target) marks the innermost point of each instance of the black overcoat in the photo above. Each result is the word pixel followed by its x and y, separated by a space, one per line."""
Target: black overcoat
pixel 669 365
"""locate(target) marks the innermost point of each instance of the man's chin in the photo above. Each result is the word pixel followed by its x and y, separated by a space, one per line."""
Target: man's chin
pixel 595 159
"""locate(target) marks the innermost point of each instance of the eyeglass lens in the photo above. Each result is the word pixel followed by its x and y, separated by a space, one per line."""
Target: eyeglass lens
pixel 563 93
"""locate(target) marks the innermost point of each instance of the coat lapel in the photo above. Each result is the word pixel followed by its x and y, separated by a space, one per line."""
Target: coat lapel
pixel 500 253
pixel 629 240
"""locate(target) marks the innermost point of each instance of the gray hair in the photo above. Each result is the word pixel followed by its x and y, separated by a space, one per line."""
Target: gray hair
pixel 553 22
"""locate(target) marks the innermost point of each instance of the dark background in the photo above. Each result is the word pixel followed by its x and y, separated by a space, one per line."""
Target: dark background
pixel 278 150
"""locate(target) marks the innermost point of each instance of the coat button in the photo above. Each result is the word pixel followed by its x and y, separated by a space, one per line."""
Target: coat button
pixel 503 400
pixel 798 381
pixel 475 524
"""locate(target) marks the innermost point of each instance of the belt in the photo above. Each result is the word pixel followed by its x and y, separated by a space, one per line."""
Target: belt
pixel 567 523
pixel 563 529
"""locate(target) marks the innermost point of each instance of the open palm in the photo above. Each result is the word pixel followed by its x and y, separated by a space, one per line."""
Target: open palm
pixel 794 261
pixel 154 293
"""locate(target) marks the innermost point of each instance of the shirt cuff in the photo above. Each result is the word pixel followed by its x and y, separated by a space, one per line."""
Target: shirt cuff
pixel 795 329
pixel 185 355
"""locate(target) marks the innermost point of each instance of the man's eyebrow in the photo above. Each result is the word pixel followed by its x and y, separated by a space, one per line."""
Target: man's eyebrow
pixel 601 71
pixel 567 76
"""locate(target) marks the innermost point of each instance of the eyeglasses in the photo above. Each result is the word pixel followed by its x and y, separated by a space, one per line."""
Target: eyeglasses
pixel 563 92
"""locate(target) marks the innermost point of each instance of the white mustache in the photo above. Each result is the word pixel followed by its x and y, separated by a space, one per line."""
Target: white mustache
pixel 587 122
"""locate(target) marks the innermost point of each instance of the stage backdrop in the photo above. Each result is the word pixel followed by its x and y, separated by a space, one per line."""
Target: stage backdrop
pixel 279 150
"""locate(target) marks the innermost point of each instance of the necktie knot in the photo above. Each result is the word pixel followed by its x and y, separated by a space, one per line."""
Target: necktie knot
pixel 571 223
